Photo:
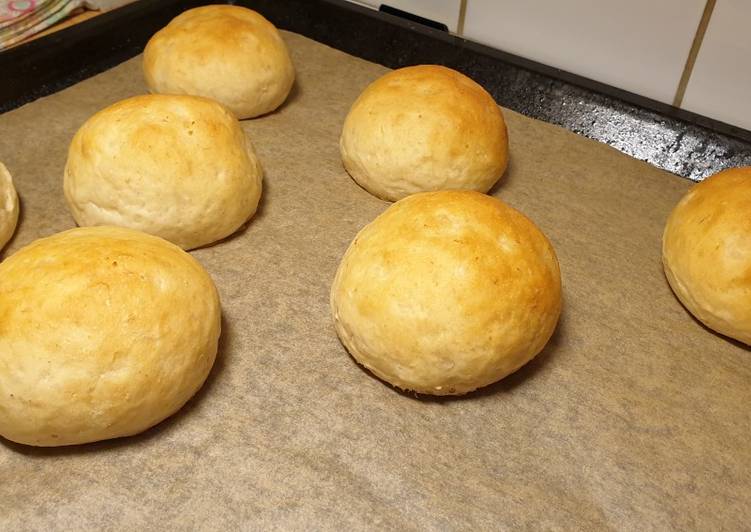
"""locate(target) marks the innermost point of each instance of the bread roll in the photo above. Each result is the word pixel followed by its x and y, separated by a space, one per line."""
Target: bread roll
pixel 179 167
pixel 706 252
pixel 446 292
pixel 424 128
pixel 8 206
pixel 227 53
pixel 105 332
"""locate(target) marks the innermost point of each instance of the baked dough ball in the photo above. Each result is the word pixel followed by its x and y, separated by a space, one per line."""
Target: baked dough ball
pixel 424 128
pixel 105 332
pixel 227 53
pixel 446 292
pixel 8 206
pixel 706 252
pixel 179 167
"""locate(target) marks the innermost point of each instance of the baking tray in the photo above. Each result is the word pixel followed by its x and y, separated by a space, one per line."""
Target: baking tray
pixel 633 417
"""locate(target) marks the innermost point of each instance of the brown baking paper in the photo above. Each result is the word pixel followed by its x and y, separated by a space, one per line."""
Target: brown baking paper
pixel 633 417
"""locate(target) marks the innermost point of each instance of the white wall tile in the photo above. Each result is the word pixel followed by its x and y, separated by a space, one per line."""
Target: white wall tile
pixel 637 45
pixel 446 11
pixel 720 84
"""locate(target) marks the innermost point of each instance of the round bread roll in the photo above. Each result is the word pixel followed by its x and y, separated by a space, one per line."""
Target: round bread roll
pixel 706 252
pixel 179 167
pixel 446 292
pixel 8 206
pixel 424 128
pixel 106 331
pixel 227 53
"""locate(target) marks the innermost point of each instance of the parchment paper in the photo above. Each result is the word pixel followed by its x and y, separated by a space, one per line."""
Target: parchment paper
pixel 634 416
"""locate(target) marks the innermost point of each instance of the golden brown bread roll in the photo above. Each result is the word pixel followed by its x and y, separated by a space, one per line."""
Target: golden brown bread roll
pixel 706 252
pixel 227 53
pixel 104 332
pixel 446 292
pixel 424 128
pixel 8 206
pixel 179 167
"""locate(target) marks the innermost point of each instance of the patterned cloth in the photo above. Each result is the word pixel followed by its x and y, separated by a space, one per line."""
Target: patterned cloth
pixel 20 19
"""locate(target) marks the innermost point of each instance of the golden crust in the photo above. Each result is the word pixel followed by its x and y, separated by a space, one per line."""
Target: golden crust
pixel 446 292
pixel 104 332
pixel 706 251
pixel 179 167
pixel 424 128
pixel 8 206
pixel 227 53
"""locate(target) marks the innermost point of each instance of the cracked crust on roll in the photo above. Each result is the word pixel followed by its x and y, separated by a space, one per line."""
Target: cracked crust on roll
pixel 104 332
pixel 706 252
pixel 446 292
pixel 424 128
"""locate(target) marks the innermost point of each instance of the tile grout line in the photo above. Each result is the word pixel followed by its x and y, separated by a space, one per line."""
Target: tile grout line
pixel 688 68
pixel 462 14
